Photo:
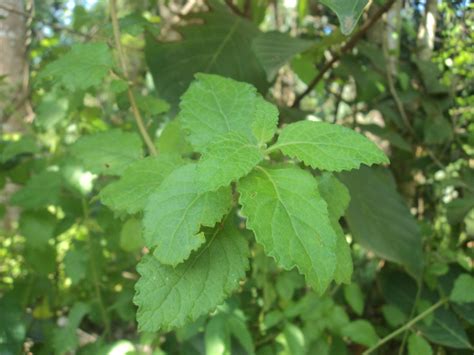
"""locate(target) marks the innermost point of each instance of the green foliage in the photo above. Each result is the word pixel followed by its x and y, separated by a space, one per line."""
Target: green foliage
pixel 170 297
pixel 109 152
pixel 85 65
pixel 328 147
pixel 197 178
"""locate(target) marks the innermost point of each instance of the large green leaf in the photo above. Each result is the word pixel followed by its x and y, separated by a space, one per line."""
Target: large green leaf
pixel 108 152
pixel 229 158
pixel 85 65
pixel 290 219
pixel 175 212
pixel 221 45
pixel 379 219
pixel 348 12
pixel 214 105
pixel 169 297
pixel 274 49
pixel 139 180
pixel 327 146
pixel 446 329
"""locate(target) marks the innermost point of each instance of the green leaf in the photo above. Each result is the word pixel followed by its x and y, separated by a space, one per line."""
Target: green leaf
pixel 292 339
pixel 355 298
pixel 463 291
pixel 151 105
pixel 131 235
pixel 217 336
pixel 335 194
pixel 175 212
pixel 26 145
pixel 214 106
pixel 227 159
pixel 361 332
pixel 458 209
pixel 75 264
pixel 169 297
pixel 37 228
pixel 328 146
pixel 85 65
pixel 401 242
pixel 275 49
pixel 417 345
pixel 393 315
pixel 130 194
pixel 173 139
pixel 51 110
pixel 221 45
pixel 290 219
pixel 266 120
pixel 446 330
pixel 337 197
pixel 65 339
pixel 108 153
pixel 41 190
pixel 348 12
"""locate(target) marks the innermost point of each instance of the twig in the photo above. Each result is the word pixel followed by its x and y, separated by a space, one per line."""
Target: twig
pixel 234 8
pixel 350 44
pixel 406 326
pixel 123 64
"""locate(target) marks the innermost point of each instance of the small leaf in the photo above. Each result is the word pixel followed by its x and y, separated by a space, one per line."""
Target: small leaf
pixel 355 298
pixel 75 264
pixel 393 315
pixel 37 228
pixel 361 332
pixel 26 145
pixel 130 194
pixel 328 146
pixel 417 345
pixel 217 336
pixel 170 297
pixel 230 157
pixel 175 212
pixel 85 65
pixel 266 120
pixel 131 235
pixel 348 12
pixel 40 191
pixel 463 291
pixel 108 153
pixel 337 197
pixel 290 219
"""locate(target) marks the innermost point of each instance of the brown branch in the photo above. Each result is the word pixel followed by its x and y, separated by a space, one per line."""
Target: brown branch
pixel 124 67
pixel 234 8
pixel 350 44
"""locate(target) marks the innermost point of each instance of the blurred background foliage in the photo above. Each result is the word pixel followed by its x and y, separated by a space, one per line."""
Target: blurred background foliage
pixel 67 263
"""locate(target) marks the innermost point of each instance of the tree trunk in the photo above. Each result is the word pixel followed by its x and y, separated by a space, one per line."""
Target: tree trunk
pixel 13 65
pixel 427 30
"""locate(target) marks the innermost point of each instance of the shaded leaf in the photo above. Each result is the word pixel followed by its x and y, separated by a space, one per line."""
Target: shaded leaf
pixel 387 228
pixel 109 152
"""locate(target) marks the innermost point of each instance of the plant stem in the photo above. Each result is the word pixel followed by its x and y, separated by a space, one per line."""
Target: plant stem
pixel 406 326
pixel 123 64
pixel 95 277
